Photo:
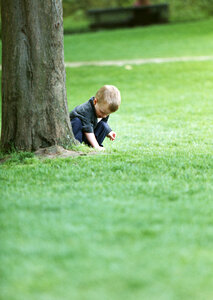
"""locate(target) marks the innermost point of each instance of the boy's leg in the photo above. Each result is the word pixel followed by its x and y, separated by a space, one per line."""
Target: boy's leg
pixel 77 129
pixel 101 132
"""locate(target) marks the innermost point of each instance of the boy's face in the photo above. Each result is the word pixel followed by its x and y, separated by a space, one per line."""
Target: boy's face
pixel 102 109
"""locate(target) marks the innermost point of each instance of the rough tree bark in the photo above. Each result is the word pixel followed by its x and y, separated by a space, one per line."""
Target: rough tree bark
pixel 34 103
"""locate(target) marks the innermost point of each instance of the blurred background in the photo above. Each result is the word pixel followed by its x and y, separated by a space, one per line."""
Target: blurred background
pixel 76 11
pixel 76 18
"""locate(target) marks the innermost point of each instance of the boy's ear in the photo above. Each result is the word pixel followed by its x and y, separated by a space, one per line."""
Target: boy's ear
pixel 95 101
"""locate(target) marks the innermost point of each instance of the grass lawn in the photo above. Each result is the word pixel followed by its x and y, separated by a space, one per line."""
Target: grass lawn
pixel 135 223
pixel 186 39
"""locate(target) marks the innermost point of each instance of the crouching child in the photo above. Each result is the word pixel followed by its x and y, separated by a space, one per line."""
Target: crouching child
pixel 90 120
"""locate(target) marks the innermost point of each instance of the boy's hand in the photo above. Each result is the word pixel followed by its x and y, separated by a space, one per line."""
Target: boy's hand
pixel 112 135
pixel 100 149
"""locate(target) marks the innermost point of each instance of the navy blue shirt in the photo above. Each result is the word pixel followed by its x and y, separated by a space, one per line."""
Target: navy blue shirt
pixel 86 113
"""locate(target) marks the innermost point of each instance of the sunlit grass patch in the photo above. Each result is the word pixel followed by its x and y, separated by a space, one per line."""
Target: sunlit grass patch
pixel 172 40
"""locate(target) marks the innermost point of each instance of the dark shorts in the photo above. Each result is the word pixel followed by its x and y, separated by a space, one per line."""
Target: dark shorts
pixel 101 131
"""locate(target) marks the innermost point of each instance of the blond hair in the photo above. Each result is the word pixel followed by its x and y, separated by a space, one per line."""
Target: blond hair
pixel 109 94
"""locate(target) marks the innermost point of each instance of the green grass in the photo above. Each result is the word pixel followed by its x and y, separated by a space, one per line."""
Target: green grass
pixel 135 223
pixel 187 39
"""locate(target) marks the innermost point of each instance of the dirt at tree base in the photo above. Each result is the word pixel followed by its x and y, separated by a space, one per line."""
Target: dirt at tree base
pixel 4 159
pixel 58 151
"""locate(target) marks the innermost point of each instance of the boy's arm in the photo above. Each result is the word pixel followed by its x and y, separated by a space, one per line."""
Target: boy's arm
pixel 92 140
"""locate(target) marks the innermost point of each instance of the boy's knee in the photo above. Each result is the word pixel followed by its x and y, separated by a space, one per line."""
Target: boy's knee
pixel 102 129
pixel 103 125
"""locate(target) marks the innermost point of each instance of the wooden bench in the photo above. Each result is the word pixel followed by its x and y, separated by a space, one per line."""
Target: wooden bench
pixel 128 16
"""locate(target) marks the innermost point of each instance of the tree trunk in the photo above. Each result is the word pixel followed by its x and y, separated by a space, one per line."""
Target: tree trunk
pixel 34 104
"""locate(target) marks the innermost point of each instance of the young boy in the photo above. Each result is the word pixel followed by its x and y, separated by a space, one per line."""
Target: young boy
pixel 89 120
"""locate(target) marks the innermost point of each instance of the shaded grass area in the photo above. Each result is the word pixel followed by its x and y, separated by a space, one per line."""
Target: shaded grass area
pixel 76 23
pixel 186 39
pixel 133 224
